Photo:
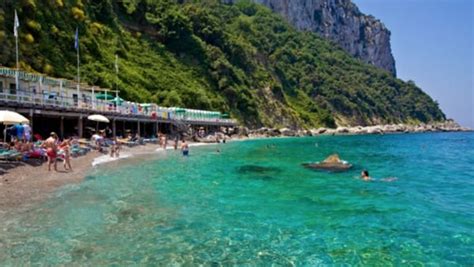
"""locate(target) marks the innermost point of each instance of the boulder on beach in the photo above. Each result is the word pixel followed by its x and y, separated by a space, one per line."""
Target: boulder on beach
pixel 332 163
pixel 287 132
pixel 374 130
pixel 342 130
pixel 321 130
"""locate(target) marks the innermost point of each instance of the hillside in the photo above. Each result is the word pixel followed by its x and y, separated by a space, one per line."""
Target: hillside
pixel 242 59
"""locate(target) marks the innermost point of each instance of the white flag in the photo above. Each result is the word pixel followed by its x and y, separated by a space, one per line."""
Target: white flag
pixel 16 25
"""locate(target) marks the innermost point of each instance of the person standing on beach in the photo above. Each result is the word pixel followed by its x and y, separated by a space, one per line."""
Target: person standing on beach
pixel 51 150
pixel 115 150
pixel 66 147
pixel 27 132
pixel 165 141
pixel 185 148
pixel 20 132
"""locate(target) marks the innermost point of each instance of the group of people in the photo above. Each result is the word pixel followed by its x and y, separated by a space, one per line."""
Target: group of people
pixel 21 141
pixel 163 143
pixel 20 131
pixel 54 147
pixel 100 140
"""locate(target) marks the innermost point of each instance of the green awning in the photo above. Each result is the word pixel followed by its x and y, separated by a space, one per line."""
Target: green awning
pixel 104 96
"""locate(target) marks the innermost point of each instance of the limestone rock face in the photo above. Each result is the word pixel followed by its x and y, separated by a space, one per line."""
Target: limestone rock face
pixel 362 36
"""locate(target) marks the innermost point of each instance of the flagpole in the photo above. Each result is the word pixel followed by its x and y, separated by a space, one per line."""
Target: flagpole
pixel 116 73
pixel 17 78
pixel 78 68
pixel 78 79
pixel 116 82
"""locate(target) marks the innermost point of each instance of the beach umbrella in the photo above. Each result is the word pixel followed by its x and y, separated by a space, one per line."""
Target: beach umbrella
pixel 118 100
pixel 98 118
pixel 10 117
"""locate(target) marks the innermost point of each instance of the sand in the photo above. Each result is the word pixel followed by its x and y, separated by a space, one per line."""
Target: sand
pixel 24 184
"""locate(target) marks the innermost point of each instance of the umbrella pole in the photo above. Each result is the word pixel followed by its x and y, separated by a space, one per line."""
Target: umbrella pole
pixel 97 126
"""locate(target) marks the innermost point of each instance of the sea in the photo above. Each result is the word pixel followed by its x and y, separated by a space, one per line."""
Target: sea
pixel 253 203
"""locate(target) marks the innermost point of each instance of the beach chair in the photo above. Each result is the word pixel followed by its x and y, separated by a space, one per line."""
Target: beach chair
pixel 127 142
pixel 10 155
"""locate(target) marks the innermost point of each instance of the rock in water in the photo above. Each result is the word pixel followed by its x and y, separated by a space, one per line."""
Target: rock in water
pixel 332 163
pixel 340 21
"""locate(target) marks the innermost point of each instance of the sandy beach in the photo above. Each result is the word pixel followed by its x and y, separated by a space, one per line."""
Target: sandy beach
pixel 23 184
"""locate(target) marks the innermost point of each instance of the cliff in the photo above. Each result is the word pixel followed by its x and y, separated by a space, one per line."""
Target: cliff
pixel 340 21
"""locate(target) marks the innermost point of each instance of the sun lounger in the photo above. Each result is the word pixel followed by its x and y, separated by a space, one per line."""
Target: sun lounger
pixel 10 155
pixel 151 140
pixel 127 142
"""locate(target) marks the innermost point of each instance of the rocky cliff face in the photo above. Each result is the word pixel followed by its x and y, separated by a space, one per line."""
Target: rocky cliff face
pixel 362 36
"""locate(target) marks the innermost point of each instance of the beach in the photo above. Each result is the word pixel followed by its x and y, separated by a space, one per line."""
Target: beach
pixel 24 184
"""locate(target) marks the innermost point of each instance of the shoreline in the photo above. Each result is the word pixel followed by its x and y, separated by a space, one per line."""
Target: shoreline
pixel 23 185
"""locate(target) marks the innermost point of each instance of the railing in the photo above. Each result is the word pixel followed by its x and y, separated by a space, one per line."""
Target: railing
pixel 55 100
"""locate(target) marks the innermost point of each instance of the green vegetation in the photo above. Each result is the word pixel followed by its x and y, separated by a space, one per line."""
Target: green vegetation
pixel 241 59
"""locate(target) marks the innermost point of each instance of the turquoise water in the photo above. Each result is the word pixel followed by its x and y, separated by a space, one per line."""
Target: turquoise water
pixel 253 204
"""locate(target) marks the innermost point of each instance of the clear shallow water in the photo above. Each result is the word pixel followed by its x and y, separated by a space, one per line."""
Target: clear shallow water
pixel 255 205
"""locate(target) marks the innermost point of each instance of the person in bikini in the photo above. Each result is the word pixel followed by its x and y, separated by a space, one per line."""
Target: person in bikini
pixel 66 147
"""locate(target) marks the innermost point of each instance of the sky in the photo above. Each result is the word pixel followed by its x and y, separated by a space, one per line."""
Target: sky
pixel 432 42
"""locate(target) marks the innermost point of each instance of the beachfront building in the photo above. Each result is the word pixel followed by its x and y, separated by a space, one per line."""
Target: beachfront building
pixel 55 104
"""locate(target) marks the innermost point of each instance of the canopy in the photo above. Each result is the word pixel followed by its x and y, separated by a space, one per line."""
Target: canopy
pixel 98 118
pixel 118 100
pixel 10 117
pixel 104 96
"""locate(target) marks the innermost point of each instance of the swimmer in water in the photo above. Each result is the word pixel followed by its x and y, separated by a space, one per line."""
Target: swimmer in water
pixel 185 148
pixel 364 175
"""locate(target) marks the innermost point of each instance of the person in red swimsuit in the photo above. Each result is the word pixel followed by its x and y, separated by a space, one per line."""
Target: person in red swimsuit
pixel 51 150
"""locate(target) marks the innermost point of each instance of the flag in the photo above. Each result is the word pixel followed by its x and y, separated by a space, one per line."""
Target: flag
pixel 16 25
pixel 116 63
pixel 76 40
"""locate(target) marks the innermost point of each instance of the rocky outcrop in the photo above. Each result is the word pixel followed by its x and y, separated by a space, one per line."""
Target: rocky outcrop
pixel 446 126
pixel 362 36
pixel 264 132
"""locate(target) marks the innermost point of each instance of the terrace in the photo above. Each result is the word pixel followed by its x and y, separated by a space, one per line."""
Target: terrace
pixel 40 91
